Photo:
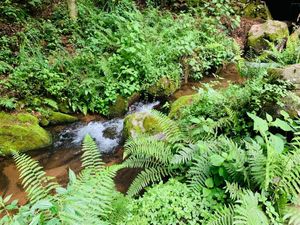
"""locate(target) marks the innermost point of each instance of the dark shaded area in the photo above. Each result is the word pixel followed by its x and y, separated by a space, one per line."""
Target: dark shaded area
pixel 284 10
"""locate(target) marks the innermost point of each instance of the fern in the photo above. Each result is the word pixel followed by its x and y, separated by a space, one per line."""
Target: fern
pixel 89 197
pixel 234 190
pixel 169 127
pixel 248 212
pixel 91 157
pixel 290 176
pixel 146 177
pixel 34 180
pixel 293 213
pixel 152 154
pixel 222 217
pixel 88 200
pixel 148 146
pixel 187 153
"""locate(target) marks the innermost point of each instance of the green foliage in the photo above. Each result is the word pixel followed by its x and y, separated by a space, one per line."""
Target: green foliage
pixel 87 199
pixel 290 55
pixel 293 212
pixel 170 203
pixel 7 103
pixel 34 179
pixel 225 111
pixel 153 153
pixel 108 54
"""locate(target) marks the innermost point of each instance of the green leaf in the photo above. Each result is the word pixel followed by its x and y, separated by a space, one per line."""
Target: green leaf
pixel 277 143
pixel 269 118
pixel 36 220
pixel 72 176
pixel 216 160
pixel 282 125
pixel 42 205
pixel 259 124
pixel 209 182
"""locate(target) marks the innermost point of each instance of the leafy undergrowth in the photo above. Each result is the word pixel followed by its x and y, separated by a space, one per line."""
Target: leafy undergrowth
pixel 231 156
pixel 85 65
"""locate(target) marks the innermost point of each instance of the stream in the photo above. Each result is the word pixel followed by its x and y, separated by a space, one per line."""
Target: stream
pixel 66 151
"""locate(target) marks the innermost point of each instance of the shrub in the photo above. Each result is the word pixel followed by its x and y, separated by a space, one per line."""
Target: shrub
pixel 169 203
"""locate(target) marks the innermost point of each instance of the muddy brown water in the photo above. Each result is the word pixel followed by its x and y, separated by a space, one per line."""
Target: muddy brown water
pixel 56 161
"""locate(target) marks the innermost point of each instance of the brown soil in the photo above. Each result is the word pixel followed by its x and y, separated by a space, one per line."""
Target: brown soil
pixel 9 29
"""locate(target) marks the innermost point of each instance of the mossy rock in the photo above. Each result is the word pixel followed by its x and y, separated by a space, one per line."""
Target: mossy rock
pixel 271 31
pixel 181 103
pixel 294 39
pixel 120 106
pixel 290 73
pixel 141 123
pixel 56 118
pixel 21 132
pixel 164 87
pixel 292 104
pixel 257 10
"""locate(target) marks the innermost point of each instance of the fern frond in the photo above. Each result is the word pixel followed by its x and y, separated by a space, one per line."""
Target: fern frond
pixel 222 217
pixel 257 164
pixel 290 177
pixel 88 200
pixel 234 190
pixel 293 213
pixel 91 157
pixel 34 180
pixel 169 127
pixel 148 146
pixel 248 211
pixel 149 175
pixel 199 171
pixel 186 153
pixel 141 162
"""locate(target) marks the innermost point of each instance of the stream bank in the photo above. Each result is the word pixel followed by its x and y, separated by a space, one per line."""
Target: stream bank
pixel 65 153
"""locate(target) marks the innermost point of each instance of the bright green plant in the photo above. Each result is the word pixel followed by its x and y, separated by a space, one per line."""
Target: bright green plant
pixel 86 200
pixel 88 64
pixel 169 203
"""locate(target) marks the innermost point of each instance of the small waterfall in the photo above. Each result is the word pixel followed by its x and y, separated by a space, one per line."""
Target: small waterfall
pixel 107 134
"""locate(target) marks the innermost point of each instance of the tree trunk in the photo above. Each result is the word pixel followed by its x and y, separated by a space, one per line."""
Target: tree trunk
pixel 72 9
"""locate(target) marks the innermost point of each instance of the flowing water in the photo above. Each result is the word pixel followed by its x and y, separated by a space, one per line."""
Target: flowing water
pixel 66 151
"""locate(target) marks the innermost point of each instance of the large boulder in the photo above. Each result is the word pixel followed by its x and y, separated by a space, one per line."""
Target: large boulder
pixel 270 31
pixel 180 104
pixel 164 87
pixel 141 123
pixel 290 73
pixel 291 104
pixel 21 132
pixel 257 9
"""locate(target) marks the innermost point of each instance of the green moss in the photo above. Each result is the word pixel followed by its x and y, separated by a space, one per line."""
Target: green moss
pixel 55 118
pixel 164 87
pixel 270 31
pixel 140 123
pixel 21 132
pixel 61 118
pixel 119 108
pixel 257 10
pixel 180 104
